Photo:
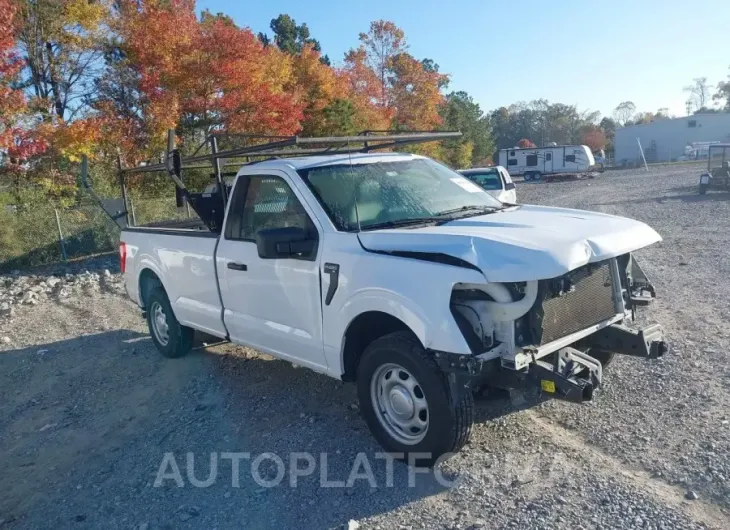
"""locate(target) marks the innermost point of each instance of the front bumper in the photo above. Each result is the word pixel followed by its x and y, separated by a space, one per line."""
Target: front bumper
pixel 572 375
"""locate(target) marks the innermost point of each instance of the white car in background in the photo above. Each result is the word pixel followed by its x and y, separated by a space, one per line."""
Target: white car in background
pixel 495 180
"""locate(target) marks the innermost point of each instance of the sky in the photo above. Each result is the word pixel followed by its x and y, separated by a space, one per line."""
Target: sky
pixel 593 55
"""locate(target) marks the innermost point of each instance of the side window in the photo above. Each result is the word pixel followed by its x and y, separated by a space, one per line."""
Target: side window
pixel 531 160
pixel 511 153
pixel 548 157
pixel 512 162
pixel 570 158
pixel 267 202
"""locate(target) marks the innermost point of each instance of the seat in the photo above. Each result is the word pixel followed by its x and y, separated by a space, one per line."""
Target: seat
pixel 369 203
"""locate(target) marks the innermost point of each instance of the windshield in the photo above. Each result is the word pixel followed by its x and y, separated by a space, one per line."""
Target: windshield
pixel 718 155
pixel 394 193
pixel 487 179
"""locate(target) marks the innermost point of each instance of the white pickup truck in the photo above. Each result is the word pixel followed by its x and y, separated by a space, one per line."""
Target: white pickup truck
pixel 397 273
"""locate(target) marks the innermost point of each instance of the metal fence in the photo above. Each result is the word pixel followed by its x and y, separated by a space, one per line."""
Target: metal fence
pixel 45 234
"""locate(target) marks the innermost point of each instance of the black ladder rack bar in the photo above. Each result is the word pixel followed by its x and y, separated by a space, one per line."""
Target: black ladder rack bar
pixel 332 145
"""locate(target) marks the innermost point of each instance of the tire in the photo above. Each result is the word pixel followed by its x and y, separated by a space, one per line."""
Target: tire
pixel 447 424
pixel 703 189
pixel 528 177
pixel 170 337
pixel 537 176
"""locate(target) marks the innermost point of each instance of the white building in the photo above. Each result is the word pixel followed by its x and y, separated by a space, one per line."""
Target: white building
pixel 667 139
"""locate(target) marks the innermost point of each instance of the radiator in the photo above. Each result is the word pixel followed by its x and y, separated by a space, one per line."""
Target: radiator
pixel 573 302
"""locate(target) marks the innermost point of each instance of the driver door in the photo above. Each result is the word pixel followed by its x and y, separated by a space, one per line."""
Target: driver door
pixel 272 305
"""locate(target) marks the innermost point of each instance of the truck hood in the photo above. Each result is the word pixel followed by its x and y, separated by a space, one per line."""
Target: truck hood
pixel 521 243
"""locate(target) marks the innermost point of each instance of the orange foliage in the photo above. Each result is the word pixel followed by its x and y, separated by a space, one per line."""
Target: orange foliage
pixel 317 86
pixel 391 85
pixel 176 70
pixel 595 139
pixel 365 90
pixel 245 86
pixel 18 142
pixel 415 93
pixel 78 138
pixel 525 144
pixel 206 73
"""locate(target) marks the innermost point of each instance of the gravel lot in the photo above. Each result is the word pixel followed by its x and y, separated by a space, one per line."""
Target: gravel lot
pixel 89 409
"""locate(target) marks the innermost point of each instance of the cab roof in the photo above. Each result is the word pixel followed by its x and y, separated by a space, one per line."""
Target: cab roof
pixel 307 162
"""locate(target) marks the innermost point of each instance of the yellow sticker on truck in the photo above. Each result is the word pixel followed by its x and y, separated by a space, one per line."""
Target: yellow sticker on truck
pixel 548 386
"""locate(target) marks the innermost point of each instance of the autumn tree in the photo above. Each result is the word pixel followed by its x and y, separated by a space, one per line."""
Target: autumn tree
pixel 525 143
pixel 12 100
pixel 59 44
pixel 594 138
pixel 176 74
pixel 414 93
pixel 379 46
pixel 324 92
pixel 366 89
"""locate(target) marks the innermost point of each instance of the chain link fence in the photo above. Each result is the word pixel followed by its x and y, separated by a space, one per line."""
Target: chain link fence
pixel 41 234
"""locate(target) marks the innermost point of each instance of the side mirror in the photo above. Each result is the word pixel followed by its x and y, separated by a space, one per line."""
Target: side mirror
pixel 289 242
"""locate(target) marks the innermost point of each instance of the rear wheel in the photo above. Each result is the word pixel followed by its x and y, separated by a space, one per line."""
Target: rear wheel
pixel 406 402
pixel 528 177
pixel 170 337
pixel 536 176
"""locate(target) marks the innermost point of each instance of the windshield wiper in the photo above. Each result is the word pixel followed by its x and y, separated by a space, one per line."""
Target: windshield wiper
pixel 472 208
pixel 403 222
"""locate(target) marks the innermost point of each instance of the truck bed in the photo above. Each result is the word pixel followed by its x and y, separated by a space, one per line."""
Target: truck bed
pixel 188 227
pixel 184 261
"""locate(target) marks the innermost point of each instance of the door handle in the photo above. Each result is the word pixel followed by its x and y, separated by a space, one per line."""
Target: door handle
pixel 333 269
pixel 237 266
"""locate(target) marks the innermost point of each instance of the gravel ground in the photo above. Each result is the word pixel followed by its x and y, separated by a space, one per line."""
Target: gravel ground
pixel 89 409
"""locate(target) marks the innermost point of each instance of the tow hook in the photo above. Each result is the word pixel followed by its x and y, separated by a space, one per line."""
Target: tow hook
pixel 574 376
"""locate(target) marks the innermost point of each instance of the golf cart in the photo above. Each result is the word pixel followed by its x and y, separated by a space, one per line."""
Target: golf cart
pixel 718 169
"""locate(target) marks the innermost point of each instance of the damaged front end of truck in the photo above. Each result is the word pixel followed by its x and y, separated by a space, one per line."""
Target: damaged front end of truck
pixel 554 335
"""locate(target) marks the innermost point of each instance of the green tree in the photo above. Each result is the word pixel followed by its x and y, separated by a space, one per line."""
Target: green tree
pixel 340 117
pixel 699 92
pixel 623 112
pixel 291 37
pixel 608 126
pixel 460 112
pixel 723 94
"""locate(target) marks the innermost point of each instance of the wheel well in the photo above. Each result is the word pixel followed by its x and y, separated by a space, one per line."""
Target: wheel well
pixel 148 280
pixel 362 331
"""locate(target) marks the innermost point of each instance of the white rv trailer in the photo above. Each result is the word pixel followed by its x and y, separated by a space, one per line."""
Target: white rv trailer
pixel 534 162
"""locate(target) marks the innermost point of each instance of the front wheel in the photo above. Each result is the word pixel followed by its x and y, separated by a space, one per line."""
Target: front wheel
pixel 406 401
pixel 528 177
pixel 537 176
